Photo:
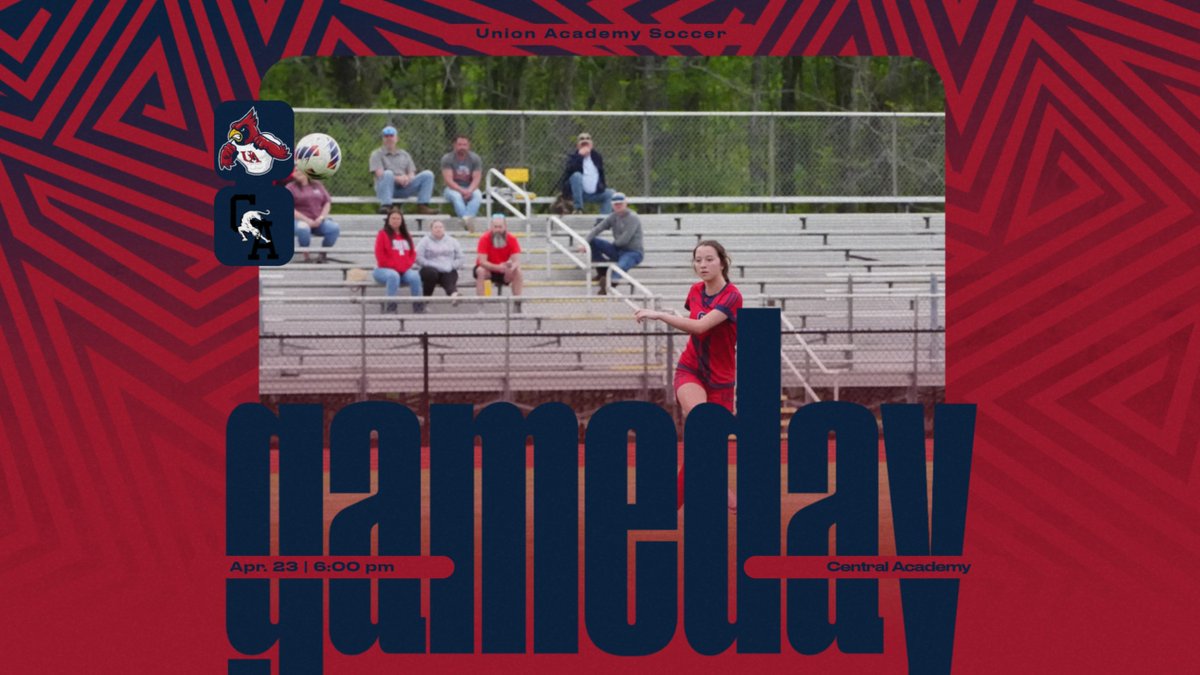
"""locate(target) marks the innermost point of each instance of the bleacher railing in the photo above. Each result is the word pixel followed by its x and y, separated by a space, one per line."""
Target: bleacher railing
pixel 553 225
pixel 497 196
pixel 752 156
pixel 512 349
pixel 635 286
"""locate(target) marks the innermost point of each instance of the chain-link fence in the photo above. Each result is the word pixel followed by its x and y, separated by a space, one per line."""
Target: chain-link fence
pixel 637 363
pixel 665 154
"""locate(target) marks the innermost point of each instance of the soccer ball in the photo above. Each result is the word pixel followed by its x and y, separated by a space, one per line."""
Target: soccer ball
pixel 318 155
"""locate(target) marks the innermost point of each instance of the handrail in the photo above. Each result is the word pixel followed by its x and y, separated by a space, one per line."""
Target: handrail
pixel 803 382
pixel 634 283
pixel 553 222
pixel 492 194
pixel 804 343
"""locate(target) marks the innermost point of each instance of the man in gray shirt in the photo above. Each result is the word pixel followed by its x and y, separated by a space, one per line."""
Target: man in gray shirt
pixel 462 171
pixel 396 175
pixel 626 247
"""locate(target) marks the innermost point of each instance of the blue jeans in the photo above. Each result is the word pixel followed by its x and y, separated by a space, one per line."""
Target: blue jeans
pixel 464 209
pixel 604 198
pixel 604 250
pixel 421 186
pixel 393 280
pixel 328 229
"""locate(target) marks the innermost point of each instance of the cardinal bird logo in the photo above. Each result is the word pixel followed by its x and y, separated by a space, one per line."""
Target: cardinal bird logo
pixel 255 150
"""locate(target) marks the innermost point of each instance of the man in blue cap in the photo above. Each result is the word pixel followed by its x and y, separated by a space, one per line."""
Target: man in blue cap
pixel 396 175
pixel 625 250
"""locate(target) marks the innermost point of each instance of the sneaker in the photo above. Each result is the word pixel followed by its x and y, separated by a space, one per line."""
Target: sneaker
pixel 426 210
pixel 383 209
pixel 454 299
pixel 390 308
pixel 603 290
pixel 418 308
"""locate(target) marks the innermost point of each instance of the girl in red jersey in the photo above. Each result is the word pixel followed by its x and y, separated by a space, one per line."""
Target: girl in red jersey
pixel 707 367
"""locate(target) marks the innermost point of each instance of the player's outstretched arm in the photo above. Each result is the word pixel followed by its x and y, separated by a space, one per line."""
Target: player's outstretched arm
pixel 689 326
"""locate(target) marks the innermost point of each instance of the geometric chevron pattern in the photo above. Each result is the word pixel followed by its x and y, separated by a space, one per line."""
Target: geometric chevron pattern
pixel 1073 235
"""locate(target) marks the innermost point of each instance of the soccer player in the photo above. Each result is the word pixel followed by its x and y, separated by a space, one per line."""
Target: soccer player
pixel 707 367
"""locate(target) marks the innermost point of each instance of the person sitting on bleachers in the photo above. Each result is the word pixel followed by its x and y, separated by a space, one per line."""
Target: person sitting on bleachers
pixel 626 247
pixel 499 258
pixel 462 171
pixel 396 176
pixel 395 256
pixel 312 204
pixel 583 177
pixel 439 257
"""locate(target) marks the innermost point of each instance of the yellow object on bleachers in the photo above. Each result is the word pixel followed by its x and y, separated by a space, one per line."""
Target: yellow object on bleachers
pixel 520 176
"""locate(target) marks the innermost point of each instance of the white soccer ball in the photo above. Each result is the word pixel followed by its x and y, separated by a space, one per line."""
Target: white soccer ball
pixel 318 155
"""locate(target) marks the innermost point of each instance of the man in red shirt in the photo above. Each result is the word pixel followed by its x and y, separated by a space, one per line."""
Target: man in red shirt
pixel 499 256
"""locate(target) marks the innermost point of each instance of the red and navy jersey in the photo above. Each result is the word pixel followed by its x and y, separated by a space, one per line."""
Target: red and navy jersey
pixel 710 356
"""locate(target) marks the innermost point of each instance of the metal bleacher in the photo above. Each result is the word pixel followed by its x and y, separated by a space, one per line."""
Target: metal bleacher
pixel 859 285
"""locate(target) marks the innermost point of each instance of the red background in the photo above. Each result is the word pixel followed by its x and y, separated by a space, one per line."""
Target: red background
pixel 1072 138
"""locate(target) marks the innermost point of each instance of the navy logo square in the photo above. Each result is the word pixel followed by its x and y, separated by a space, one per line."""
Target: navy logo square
pixel 255 141
pixel 254 227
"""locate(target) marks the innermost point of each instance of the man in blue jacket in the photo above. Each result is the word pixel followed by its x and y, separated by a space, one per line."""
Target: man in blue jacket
pixel 583 179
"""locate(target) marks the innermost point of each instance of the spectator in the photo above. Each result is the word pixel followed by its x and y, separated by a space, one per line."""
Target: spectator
pixel 583 177
pixel 395 256
pixel 396 175
pixel 626 247
pixel 499 256
pixel 312 204
pixel 462 170
pixel 439 257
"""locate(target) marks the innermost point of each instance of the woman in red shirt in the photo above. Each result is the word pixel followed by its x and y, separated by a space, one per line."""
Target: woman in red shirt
pixel 395 255
pixel 708 365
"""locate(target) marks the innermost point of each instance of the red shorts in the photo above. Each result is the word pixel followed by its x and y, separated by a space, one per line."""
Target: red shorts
pixel 721 396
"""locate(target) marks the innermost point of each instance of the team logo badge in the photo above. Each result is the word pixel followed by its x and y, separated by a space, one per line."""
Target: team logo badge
pixel 254 227
pixel 256 150
pixel 253 141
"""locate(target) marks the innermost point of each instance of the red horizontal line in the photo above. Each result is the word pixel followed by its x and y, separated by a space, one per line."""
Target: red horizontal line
pixel 343 567
pixel 835 567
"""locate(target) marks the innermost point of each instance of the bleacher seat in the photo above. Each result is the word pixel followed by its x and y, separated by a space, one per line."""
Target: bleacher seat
pixel 320 322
